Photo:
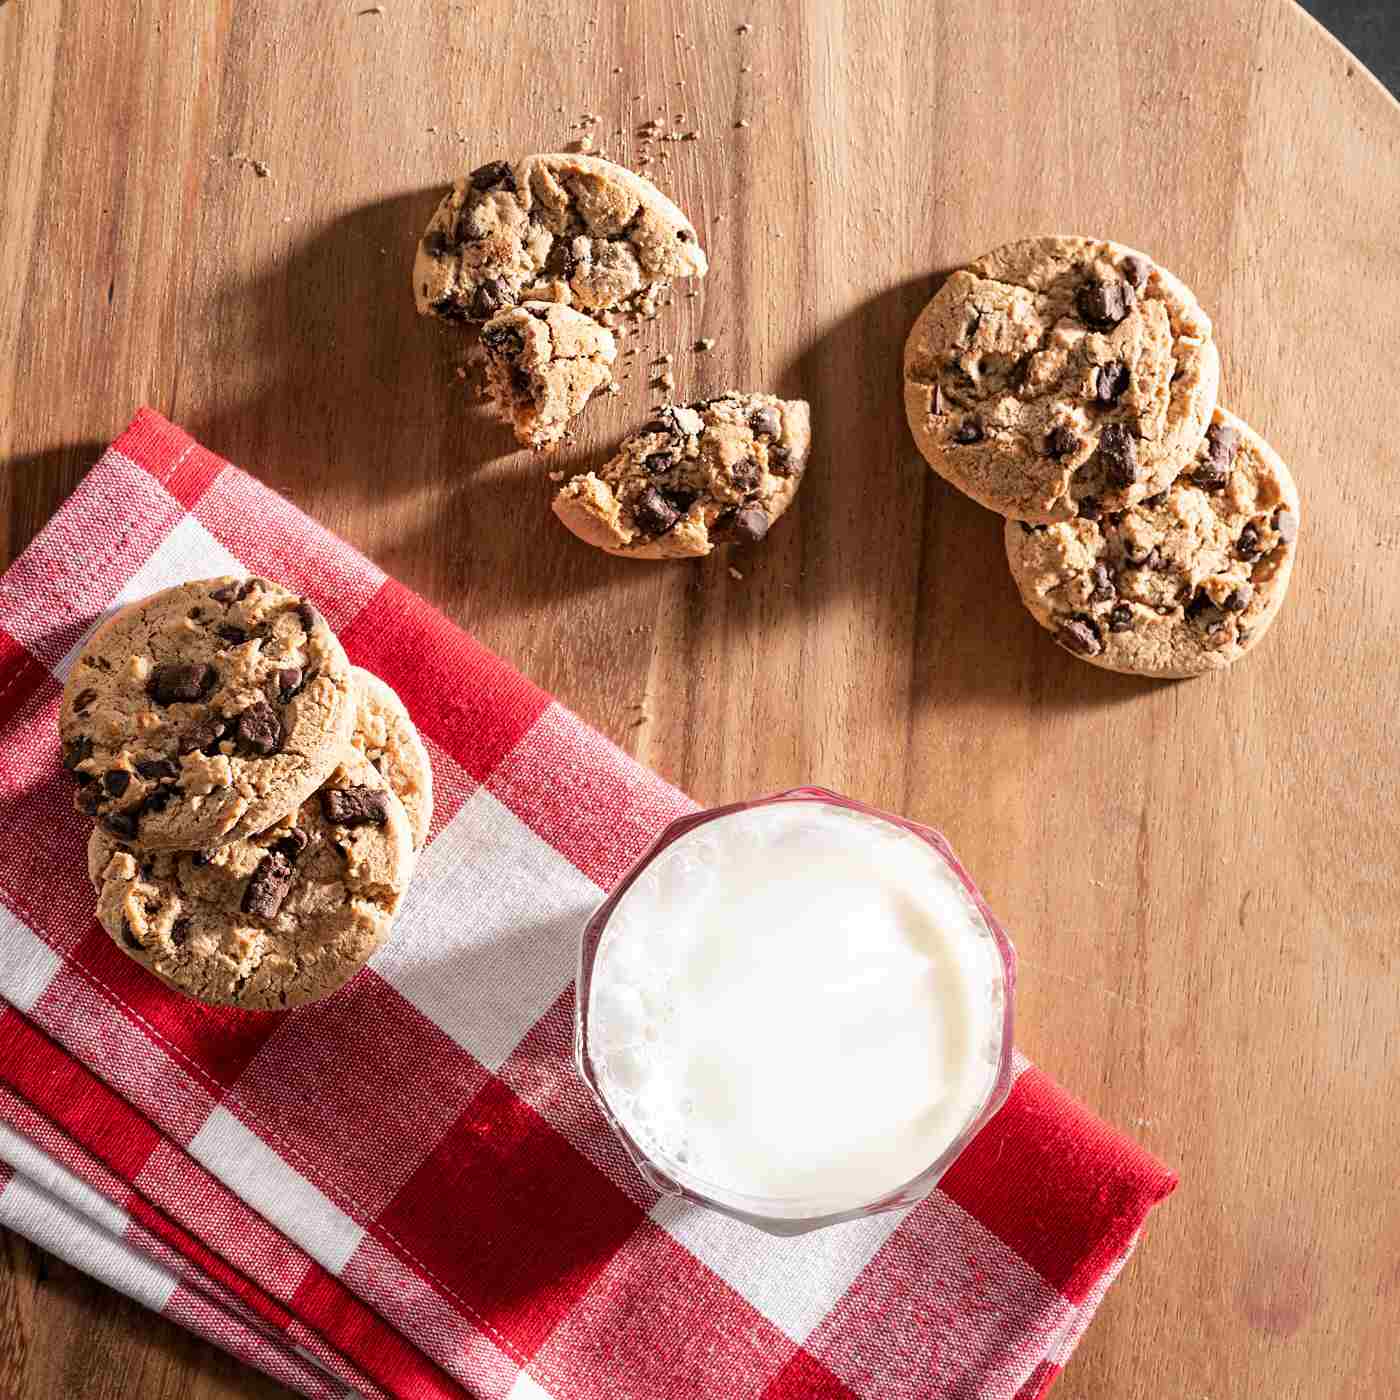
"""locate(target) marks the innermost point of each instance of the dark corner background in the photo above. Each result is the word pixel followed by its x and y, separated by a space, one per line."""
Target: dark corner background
pixel 1369 28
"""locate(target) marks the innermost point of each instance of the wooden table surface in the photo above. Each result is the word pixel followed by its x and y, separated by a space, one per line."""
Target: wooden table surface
pixel 1201 877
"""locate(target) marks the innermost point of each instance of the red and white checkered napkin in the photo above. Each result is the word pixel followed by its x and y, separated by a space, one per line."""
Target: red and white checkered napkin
pixel 404 1191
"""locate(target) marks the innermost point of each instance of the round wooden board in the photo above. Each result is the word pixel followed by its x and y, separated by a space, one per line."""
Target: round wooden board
pixel 1201 877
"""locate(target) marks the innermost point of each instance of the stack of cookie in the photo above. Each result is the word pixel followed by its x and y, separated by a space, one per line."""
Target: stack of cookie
pixel 1070 384
pixel 549 254
pixel 258 802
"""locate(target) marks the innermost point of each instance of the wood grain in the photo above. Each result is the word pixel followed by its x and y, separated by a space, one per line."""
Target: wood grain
pixel 1201 877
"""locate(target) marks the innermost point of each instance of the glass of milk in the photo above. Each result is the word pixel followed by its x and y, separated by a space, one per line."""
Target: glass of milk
pixel 796 1010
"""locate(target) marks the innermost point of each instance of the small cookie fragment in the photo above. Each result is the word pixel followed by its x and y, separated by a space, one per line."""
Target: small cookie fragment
pixel 543 363
pixel 1183 582
pixel 271 921
pixel 205 713
pixel 1058 371
pixel 573 229
pixel 717 471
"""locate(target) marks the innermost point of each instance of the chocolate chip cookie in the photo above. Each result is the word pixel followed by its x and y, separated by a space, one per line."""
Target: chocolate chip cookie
pixel 695 476
pixel 205 713
pixel 1185 581
pixel 568 228
pixel 272 921
pixel 1058 369
pixel 543 362
pixel 386 736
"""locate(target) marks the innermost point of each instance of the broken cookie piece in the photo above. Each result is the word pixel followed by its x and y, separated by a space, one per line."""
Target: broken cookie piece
pixel 543 363
pixel 573 229
pixel 718 471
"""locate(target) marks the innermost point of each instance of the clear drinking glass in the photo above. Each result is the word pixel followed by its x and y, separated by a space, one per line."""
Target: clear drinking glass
pixel 786 1217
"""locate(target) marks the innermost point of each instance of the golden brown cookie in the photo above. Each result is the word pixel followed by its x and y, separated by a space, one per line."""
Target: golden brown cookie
pixel 282 918
pixel 205 713
pixel 1058 369
pixel 1184 582
pixel 388 738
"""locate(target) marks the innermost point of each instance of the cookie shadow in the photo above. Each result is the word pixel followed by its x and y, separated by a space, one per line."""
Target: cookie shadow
pixel 875 518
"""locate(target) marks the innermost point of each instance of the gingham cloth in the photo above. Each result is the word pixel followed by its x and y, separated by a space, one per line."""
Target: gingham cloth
pixel 404 1191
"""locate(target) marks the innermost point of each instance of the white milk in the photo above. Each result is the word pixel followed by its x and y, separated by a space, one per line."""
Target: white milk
pixel 797 1002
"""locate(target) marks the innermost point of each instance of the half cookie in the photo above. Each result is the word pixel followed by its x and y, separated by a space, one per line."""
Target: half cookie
pixel 695 476
pixel 543 363
pixel 568 228
pixel 282 918
pixel 1184 582
pixel 1056 370
pixel 205 713
pixel 386 736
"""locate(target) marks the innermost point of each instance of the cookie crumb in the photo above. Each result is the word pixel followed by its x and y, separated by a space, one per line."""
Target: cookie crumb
pixel 556 476
pixel 735 574
pixel 743 121
pixel 372 10
pixel 261 169
pixel 745 28
pixel 704 344
pixel 614 388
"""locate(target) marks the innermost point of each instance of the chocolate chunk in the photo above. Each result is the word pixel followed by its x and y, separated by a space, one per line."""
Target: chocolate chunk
pixel 158 800
pixel 654 513
pixel 1247 546
pixel 307 616
pixel 561 261
pixel 745 475
pixel 355 806
pixel 490 296
pixel 181 682
pixel 1213 470
pixel 1103 588
pixel 765 422
pixel 750 524
pixel 1089 507
pixel 495 174
pixel 1240 598
pixel 199 858
pixel 1104 304
pixel 88 802
pixel 1137 270
pixel 204 737
pixel 226 594
pixel 1152 502
pixel 684 235
pixel 1061 441
pixel 503 340
pixel 1201 608
pixel 292 844
pixel 260 729
pixel 968 431
pixel 83 701
pixel 1118 453
pixel 448 308
pixel 122 824
pixel 1286 523
pixel 1156 561
pixel 268 886
pixel 250 586
pixel 290 680
pixel 664 422
pixel 657 462
pixel 234 636
pixel 780 461
pixel 180 930
pixel 1121 618
pixel 77 751
pixel 1110 382
pixel 116 781
pixel 1080 635
pixel 130 939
